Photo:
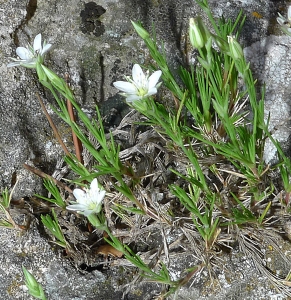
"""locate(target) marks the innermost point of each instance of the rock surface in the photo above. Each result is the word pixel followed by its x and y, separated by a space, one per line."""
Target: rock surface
pixel 60 278
pixel 270 61
pixel 95 43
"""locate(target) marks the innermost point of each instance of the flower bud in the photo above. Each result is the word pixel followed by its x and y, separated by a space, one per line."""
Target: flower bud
pixel 235 49
pixel 40 73
pixel 222 44
pixel 140 31
pixel 54 79
pixel 198 33
pixel 97 221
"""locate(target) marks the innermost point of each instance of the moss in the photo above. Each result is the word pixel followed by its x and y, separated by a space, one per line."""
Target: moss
pixel 14 286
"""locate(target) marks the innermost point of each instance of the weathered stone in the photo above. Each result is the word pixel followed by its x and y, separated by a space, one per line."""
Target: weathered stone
pixel 270 61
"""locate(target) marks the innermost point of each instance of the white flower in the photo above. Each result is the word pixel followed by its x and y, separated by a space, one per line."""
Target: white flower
pixel 285 23
pixel 140 86
pixel 88 201
pixel 29 56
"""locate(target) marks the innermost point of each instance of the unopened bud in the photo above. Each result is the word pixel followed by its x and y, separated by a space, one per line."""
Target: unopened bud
pixel 40 73
pixel 198 33
pixel 55 80
pixel 221 43
pixel 140 31
pixel 235 49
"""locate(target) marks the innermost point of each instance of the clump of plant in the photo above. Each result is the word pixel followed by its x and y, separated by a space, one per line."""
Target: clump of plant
pixel 193 174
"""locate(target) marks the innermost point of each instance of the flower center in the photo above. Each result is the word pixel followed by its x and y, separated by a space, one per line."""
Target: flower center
pixel 92 206
pixel 142 92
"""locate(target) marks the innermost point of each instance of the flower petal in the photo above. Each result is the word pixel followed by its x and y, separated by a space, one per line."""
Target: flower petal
pixel 37 43
pixel 13 64
pixel 95 194
pixel 80 195
pixel 23 53
pixel 125 86
pixel 154 78
pixel 138 76
pixel 280 21
pixel 30 63
pixel 94 186
pixel 132 98
pixel 99 197
pixel 152 91
pixel 87 212
pixel 46 48
pixel 76 207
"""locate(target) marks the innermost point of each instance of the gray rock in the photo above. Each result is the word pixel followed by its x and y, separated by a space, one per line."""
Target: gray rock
pixel 58 276
pixel 270 61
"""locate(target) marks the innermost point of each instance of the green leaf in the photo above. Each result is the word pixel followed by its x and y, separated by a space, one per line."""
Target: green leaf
pixel 51 187
pixel 53 226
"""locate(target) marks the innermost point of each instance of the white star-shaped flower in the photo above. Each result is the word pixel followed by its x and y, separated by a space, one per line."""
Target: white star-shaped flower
pixel 89 200
pixel 29 56
pixel 140 86
pixel 285 23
